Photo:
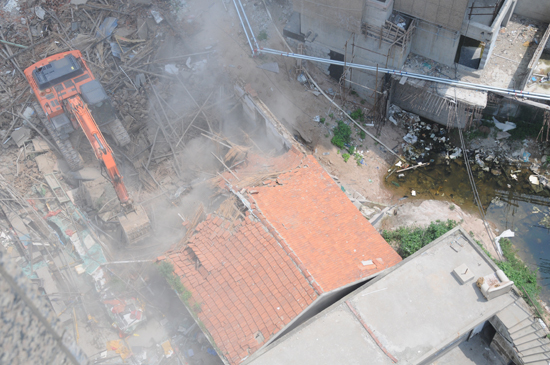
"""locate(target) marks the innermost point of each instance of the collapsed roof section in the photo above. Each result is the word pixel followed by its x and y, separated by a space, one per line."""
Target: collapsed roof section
pixel 247 286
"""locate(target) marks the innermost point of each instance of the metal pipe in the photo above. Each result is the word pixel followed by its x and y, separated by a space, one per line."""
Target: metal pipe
pixel 244 28
pixel 249 26
pixel 455 83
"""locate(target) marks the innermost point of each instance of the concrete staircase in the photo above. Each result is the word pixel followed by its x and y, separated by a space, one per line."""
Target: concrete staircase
pixel 527 334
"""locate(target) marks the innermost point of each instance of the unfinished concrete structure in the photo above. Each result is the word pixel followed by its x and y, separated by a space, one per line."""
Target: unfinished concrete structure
pixel 418 312
pixel 448 39
pixel 286 243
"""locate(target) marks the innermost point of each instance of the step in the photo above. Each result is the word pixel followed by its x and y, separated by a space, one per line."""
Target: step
pixel 535 350
pixel 525 323
pixel 530 337
pixel 525 331
pixel 512 315
pixel 543 362
pixel 535 358
pixel 530 345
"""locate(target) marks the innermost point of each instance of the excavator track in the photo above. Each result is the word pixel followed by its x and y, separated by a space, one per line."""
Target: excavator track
pixel 73 158
pixel 119 133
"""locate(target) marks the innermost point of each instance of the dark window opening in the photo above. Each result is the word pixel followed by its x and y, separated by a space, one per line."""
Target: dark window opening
pixel 336 71
pixel 470 52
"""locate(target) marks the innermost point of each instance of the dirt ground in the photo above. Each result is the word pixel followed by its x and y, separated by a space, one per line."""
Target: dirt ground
pixel 421 213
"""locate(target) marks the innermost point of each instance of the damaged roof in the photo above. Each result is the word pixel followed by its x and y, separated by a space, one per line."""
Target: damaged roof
pixel 300 238
pixel 322 227
pixel 247 286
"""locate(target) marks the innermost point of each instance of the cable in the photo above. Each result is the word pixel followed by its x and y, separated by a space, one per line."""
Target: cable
pixel 471 176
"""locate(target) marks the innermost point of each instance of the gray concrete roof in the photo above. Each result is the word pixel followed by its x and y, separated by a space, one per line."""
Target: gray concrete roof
pixel 413 309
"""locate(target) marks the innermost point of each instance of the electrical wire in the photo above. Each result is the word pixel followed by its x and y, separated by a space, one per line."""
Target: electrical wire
pixel 471 179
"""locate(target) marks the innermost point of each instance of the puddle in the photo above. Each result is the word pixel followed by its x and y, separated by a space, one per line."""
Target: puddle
pixel 512 208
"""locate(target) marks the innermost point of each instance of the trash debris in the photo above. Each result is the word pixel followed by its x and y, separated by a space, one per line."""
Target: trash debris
pixel 40 13
pixel 106 28
pixel 156 15
pixel 410 138
pixel 413 192
pixel 507 126
pixel 171 69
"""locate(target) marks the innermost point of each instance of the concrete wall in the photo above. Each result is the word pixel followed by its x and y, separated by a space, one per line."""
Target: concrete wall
pixel 488 33
pixel 343 14
pixel 376 12
pixel 447 13
pixel 534 9
pixel 434 42
pixel 369 51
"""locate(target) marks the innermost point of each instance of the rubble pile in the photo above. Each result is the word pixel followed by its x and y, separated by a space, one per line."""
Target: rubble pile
pixel 509 164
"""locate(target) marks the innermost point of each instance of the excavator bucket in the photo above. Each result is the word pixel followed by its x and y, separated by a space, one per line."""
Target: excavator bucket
pixel 135 225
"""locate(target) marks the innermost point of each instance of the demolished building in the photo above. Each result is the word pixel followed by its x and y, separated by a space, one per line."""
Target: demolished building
pixel 286 243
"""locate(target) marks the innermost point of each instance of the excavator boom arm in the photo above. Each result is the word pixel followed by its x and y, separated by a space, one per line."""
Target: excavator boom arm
pixel 101 149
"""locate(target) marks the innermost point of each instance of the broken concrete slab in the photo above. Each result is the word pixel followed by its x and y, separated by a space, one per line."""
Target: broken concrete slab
pixel 21 135
pixel 503 135
pixel 47 163
pixel 40 145
pixel 271 66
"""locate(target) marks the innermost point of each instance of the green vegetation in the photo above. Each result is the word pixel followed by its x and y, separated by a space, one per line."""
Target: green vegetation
pixel 412 239
pixel 452 207
pixel 473 134
pixel 523 277
pixel 342 134
pixel 346 156
pixel 327 135
pixel 197 308
pixel 351 150
pixel 262 36
pixel 322 120
pixel 353 92
pixel 358 158
pixel 362 134
pixel 331 116
pixel 166 269
pixel 363 101
pixel 358 115
pixel 515 269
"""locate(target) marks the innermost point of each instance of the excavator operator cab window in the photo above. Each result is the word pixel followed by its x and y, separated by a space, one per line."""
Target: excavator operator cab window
pixel 57 71
pixel 99 102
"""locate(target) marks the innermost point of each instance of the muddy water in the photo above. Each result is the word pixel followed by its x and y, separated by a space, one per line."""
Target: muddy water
pixel 517 207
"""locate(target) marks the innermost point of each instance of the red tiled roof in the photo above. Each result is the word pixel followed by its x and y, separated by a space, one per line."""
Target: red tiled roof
pixel 324 231
pixel 245 282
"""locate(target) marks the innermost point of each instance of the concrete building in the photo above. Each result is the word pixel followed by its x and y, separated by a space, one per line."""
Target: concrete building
pixel 447 39
pixel 286 243
pixel 419 311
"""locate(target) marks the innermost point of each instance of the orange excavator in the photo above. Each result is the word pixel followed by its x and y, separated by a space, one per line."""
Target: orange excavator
pixel 70 98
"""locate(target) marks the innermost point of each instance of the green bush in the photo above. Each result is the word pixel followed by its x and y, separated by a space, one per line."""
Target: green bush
pixel 358 115
pixel 262 36
pixel 523 277
pixel 166 269
pixel 412 239
pixel 346 156
pixel 362 134
pixel 342 135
